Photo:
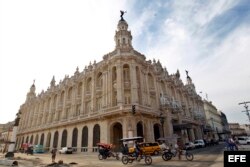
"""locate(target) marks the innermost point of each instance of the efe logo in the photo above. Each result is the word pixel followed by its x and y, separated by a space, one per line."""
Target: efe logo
pixel 236 158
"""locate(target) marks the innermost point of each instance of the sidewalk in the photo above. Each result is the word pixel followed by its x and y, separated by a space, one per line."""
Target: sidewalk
pixel 91 160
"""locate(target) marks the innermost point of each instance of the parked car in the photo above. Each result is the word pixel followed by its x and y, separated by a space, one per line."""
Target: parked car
pixel 149 148
pixel 199 143
pixel 66 150
pixel 189 146
pixel 244 140
pixel 38 148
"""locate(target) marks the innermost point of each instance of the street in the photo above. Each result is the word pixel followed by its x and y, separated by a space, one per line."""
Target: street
pixel 211 156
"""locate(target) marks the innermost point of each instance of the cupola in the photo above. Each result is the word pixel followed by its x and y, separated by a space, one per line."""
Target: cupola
pixel 123 37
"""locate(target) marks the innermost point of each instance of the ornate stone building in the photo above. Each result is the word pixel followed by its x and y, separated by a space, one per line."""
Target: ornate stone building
pixel 214 123
pixel 95 105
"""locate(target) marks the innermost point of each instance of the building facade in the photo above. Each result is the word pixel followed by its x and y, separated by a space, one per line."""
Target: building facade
pixel 236 130
pixel 5 136
pixel 95 105
pixel 246 127
pixel 214 126
pixel 225 133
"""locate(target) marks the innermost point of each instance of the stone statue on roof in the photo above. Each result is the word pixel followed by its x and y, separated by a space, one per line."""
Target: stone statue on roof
pixel 122 13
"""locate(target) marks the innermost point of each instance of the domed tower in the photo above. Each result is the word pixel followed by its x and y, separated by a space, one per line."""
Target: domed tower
pixel 123 37
pixel 32 93
pixel 190 84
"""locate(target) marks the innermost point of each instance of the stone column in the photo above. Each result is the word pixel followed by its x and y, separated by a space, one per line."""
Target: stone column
pixel 83 109
pixel 147 88
pixel 93 96
pixel 104 131
pixel 90 137
pixel 134 88
pixel 119 87
pixel 79 138
pixel 157 95
pixel 109 87
pixel 104 88
pixel 191 132
pixel 63 116
pixel 69 137
pixel 52 139
pixel 168 126
pixel 125 127
pixel 59 138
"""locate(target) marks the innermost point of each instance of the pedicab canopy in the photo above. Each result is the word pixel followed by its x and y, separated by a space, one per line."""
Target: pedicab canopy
pixel 138 138
pixel 104 145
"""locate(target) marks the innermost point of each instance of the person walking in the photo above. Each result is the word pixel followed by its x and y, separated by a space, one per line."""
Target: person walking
pixel 53 154
pixel 179 148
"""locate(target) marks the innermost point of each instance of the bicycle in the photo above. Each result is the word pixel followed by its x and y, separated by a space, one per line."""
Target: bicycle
pixel 129 158
pixel 168 154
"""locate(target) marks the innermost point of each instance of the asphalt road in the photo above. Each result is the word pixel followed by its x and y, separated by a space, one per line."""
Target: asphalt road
pixel 210 156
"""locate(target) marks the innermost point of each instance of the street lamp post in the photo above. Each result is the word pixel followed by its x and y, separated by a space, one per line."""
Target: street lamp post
pixel 246 107
pixel 162 123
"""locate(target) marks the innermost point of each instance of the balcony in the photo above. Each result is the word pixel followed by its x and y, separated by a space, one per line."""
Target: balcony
pixel 176 106
pixel 165 102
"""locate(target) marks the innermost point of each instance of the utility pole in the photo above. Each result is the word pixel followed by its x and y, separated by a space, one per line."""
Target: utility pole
pixel 246 107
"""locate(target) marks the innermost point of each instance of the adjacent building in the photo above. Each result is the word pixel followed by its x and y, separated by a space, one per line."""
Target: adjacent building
pixel 247 128
pixel 213 125
pixel 5 135
pixel 236 130
pixel 225 133
pixel 95 105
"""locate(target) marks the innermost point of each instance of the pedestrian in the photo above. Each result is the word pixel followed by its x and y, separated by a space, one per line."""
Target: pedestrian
pixel 53 154
pixel 125 149
pixel 179 148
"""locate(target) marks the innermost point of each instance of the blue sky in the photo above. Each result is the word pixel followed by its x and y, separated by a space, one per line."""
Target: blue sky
pixel 210 39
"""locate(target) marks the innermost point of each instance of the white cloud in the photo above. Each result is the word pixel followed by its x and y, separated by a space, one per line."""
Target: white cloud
pixel 40 39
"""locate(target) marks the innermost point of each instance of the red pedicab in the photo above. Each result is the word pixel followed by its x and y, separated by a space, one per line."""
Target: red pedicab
pixel 105 151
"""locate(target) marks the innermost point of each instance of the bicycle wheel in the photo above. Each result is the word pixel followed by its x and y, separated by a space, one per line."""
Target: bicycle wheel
pixel 148 160
pixel 125 160
pixel 189 156
pixel 100 157
pixel 166 156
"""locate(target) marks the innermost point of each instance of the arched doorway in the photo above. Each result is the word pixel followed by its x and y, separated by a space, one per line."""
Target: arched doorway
pixel 64 138
pixel 157 131
pixel 31 139
pixel 48 140
pixel 96 134
pixel 74 138
pixel 55 141
pixel 42 139
pixel 36 139
pixel 139 129
pixel 85 138
pixel 116 135
pixel 27 139
pixel 22 140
